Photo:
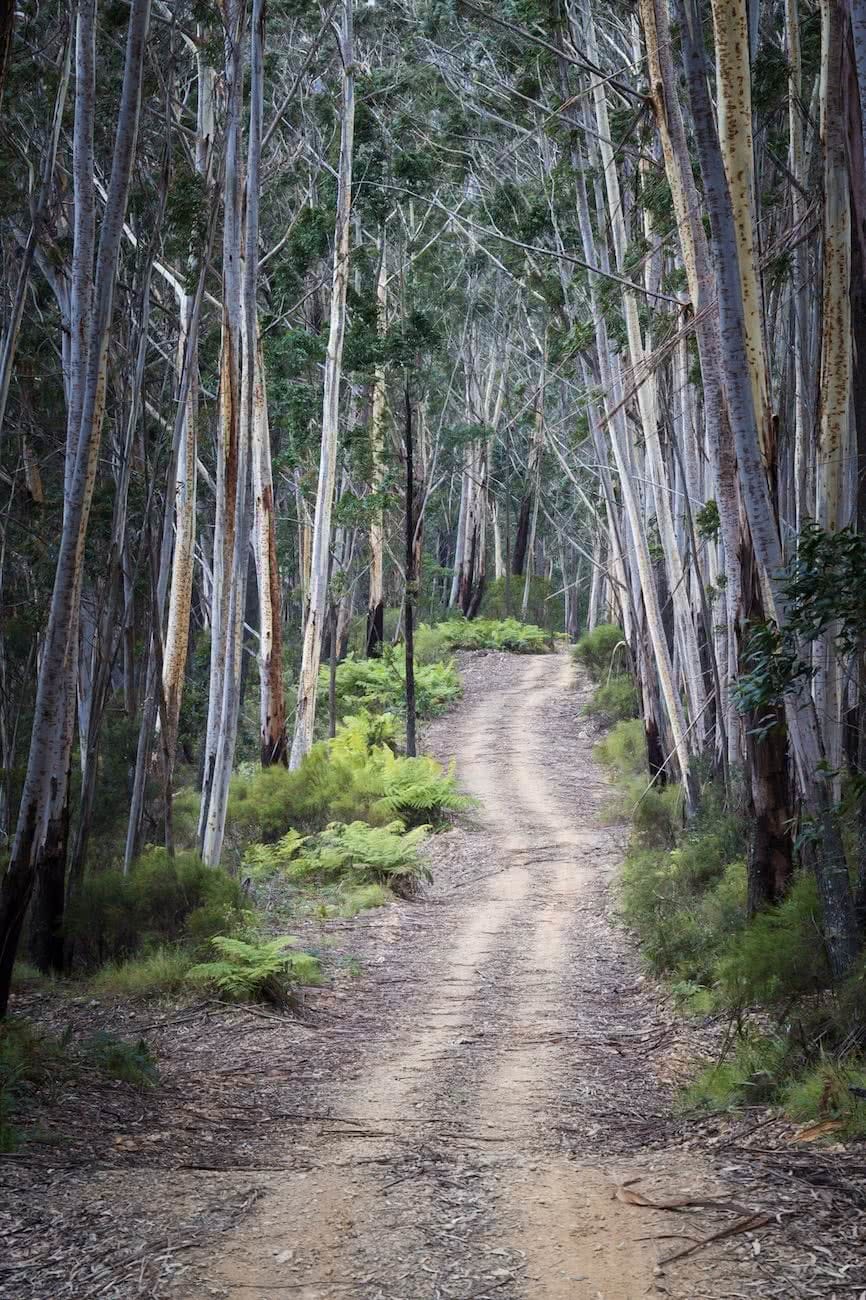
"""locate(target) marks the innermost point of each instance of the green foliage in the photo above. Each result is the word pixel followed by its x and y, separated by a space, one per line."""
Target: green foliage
pixel 656 812
pixel 544 608
pixel 184 814
pixel 159 973
pixel 265 970
pixel 264 861
pixel 163 900
pixel 772 1069
pixel 774 668
pixel 596 649
pixel 824 1092
pixel 354 855
pixel 35 1065
pixel 708 521
pixel 431 644
pixel 379 685
pixel 418 790
pixel 363 899
pixel 30 1062
pixel 823 587
pixel 683 928
pixel 130 1062
pixel 623 749
pixel 684 892
pixel 780 955
pixel 752 1075
pixel 495 634
pixel 614 701
pixel 770 78
pixel 357 855
pixel 349 778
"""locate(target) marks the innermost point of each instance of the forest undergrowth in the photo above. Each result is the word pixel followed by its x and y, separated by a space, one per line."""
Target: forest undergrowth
pixel 792 1036
pixel 344 832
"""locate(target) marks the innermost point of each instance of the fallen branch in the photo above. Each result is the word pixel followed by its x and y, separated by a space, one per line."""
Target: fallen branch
pixel 625 1194
pixel 742 1225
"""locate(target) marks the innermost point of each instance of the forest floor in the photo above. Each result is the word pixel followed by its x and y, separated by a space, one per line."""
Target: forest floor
pixel 479 1106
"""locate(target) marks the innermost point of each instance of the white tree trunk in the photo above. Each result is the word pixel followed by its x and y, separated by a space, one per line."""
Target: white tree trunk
pixel 316 613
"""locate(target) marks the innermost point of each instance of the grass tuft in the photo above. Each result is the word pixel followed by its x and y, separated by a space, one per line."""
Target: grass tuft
pixel 600 650
pixel 159 973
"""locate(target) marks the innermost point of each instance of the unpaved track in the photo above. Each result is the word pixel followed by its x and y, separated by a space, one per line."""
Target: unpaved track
pixel 476 1149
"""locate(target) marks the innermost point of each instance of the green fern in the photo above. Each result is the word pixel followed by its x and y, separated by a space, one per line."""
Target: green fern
pixel 495 634
pixel 379 685
pixel 357 855
pixel 262 971
pixel 419 791
pixel 353 777
pixel 263 861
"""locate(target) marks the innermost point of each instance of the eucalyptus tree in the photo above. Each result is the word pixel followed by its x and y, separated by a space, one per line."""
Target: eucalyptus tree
pixel 40 831
pixel 315 614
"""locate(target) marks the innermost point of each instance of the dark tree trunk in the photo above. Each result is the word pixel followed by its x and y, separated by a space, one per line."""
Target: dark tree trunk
pixel 332 674
pixel 476 598
pixel 46 913
pixel 857 173
pixel 769 857
pixel 771 849
pixel 375 630
pixel 655 752
pixel 521 540
pixel 7 22
pixel 411 582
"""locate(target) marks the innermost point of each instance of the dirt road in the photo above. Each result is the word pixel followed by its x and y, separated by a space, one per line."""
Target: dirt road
pixel 508 1085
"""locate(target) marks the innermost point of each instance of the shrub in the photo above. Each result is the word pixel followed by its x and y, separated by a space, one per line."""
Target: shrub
pixel 368 730
pixel 780 954
pixel 350 778
pixel 162 900
pixel 264 861
pixel 266 970
pixel 545 606
pixel 596 649
pixel 753 1074
pixel 623 750
pixel 160 973
pixel 355 856
pixel 185 806
pixel 657 819
pixel 495 634
pixel 264 801
pixel 771 1069
pixel 824 1092
pixel 431 645
pixel 30 1062
pixel 34 1064
pixel 656 812
pixel 614 701
pixel 682 932
pixel 130 1062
